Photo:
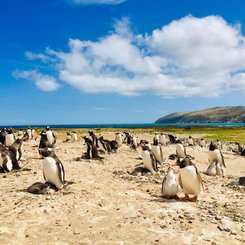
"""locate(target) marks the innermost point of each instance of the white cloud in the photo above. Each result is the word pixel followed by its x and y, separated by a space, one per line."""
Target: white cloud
pixel 188 57
pixel 87 2
pixel 43 82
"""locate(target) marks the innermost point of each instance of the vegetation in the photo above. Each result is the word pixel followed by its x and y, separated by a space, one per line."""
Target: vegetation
pixel 228 134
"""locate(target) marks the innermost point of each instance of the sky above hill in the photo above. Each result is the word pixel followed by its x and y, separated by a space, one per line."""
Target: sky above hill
pixel 118 61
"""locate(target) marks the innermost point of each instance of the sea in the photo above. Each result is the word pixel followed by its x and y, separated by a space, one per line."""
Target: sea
pixel 130 125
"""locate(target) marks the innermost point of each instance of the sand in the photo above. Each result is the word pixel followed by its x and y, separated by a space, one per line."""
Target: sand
pixel 106 205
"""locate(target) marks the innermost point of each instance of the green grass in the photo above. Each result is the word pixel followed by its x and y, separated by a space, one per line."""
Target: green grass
pixel 228 134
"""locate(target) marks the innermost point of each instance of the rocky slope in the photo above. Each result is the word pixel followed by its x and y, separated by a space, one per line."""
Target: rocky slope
pixel 229 114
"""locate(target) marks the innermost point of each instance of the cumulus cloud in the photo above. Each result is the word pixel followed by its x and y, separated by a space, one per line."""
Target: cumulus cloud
pixel 87 2
pixel 43 82
pixel 188 57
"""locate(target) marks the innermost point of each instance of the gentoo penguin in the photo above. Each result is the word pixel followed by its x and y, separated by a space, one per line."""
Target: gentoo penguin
pixel 74 137
pixel 103 144
pixel 20 133
pixel 53 169
pixel 190 141
pixel 92 151
pixel 114 145
pixel 202 142
pixel 134 143
pixel 8 161
pixel 93 137
pixel 156 137
pixel 16 148
pixel 44 143
pixel 170 187
pixel 180 150
pixel 3 134
pixel 189 179
pixel 68 137
pixel 29 133
pixel 9 139
pixel 163 139
pixel 118 139
pixel 157 151
pixel 215 155
pixel 50 135
pixel 149 159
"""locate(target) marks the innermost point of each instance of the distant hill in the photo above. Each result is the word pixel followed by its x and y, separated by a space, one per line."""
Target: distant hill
pixel 228 114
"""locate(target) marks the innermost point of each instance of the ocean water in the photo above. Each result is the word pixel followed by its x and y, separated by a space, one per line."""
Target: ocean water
pixel 130 125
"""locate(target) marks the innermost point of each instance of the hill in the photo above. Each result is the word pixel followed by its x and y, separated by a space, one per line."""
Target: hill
pixel 229 114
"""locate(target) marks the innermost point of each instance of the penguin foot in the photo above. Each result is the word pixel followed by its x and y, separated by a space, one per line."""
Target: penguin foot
pixel 185 198
pixel 193 199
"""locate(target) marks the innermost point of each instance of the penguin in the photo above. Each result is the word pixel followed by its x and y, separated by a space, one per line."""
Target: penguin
pixel 9 139
pixel 172 139
pixel 29 133
pixel 3 134
pixel 50 135
pixel 134 143
pixel 202 142
pixel 114 145
pixel 93 137
pixel 180 150
pixel 163 139
pixel 53 169
pixel 92 151
pixel 149 160
pixel 157 151
pixel 170 187
pixel 118 139
pixel 74 137
pixel 104 145
pixel 5 163
pixel 215 155
pixel 156 137
pixel 190 141
pixel 68 137
pixel 20 133
pixel 8 161
pixel 189 179
pixel 211 170
pixel 16 148
pixel 44 143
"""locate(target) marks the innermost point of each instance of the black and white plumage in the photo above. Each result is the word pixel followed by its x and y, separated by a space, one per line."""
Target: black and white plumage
pixel 189 179
pixel 180 150
pixel 118 139
pixel 50 136
pixel 9 138
pixel 53 169
pixel 157 151
pixel 170 187
pixel 215 155
pixel 149 159
pixel 91 151
pixel 44 142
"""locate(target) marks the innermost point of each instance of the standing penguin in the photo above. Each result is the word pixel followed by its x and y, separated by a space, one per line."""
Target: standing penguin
pixel 202 142
pixel 118 139
pixel 180 150
pixel 157 151
pixel 9 139
pixel 149 159
pixel 189 179
pixel 3 134
pixel 190 141
pixel 92 151
pixel 44 143
pixel 74 137
pixel 16 148
pixel 53 169
pixel 50 135
pixel 29 133
pixel 215 155
pixel 170 186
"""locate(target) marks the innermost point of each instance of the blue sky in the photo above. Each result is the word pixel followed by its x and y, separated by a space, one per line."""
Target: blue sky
pixel 118 61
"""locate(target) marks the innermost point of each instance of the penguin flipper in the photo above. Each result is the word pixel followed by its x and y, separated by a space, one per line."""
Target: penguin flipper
pixel 154 162
pixel 180 182
pixel 199 178
pixel 222 160
pixel 161 154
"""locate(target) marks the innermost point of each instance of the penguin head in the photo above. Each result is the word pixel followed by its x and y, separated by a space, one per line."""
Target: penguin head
pixel 87 140
pixel 212 146
pixel 47 152
pixel 10 131
pixel 145 147
pixel 47 128
pixel 178 142
pixel 184 162
pixel 155 141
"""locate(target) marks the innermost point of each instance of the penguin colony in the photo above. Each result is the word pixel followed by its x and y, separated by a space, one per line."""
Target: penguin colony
pixel 188 178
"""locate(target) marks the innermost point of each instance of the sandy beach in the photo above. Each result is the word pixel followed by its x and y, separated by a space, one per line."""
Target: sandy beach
pixel 107 205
